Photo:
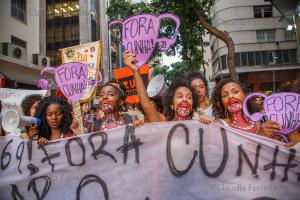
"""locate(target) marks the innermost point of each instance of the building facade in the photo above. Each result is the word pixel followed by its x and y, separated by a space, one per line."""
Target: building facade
pixel 265 49
pixel 21 49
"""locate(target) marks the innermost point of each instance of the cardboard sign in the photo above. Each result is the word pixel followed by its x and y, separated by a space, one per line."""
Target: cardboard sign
pixel 160 161
pixel 283 108
pixel 125 76
pixel 71 78
pixel 12 98
pixel 89 54
pixel 140 34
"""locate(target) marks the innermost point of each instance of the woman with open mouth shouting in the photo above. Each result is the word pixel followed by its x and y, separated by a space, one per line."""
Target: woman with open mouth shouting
pixel 227 98
pixel 110 99
pixel 180 99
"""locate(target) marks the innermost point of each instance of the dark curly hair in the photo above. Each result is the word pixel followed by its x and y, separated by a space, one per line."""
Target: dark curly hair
pixel 44 129
pixel 196 75
pixel 28 101
pixel 217 105
pixel 176 83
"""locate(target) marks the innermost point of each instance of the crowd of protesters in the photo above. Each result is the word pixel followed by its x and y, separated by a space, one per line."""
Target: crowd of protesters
pixel 185 99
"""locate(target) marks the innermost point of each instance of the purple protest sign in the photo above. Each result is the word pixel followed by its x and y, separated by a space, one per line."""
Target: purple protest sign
pixel 283 108
pixel 44 84
pixel 71 78
pixel 140 33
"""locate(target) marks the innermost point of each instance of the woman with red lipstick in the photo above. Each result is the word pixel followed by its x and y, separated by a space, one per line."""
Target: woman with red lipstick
pixel 180 99
pixel 227 98
pixel 110 101
pixel 56 118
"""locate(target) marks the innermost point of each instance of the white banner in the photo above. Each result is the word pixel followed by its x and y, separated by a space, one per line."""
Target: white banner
pixel 158 161
pixel 12 98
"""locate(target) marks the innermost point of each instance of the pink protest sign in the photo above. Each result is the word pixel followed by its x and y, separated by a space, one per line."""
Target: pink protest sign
pixel 72 79
pixel 44 84
pixel 140 33
pixel 283 108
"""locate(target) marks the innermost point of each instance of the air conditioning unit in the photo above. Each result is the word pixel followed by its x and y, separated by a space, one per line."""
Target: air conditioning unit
pixel 14 51
pixel 40 60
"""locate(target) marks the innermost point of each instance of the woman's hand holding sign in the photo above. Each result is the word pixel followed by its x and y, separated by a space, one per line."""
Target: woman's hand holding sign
pixel 31 131
pixel 268 128
pixel 130 60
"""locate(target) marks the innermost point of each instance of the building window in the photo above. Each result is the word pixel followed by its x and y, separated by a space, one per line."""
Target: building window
pixel 279 59
pixel 257 57
pixel 244 59
pixel 18 9
pixel 238 59
pixel 265 35
pixel 224 61
pixel 265 58
pixel 289 35
pixel 263 11
pixel 285 55
pixel 251 59
pixel 65 9
pixel 292 56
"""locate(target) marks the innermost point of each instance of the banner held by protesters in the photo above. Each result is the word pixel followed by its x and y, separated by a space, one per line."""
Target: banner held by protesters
pixel 174 160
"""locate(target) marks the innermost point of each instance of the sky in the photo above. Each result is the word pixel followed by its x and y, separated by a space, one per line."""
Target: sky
pixel 168 60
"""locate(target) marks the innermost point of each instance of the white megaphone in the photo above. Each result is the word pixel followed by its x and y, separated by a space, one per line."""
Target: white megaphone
pixel 11 120
pixel 157 86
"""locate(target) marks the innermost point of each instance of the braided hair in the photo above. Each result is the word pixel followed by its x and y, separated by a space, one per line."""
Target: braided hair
pixel 176 83
pixel 44 129
pixel 28 101
pixel 217 104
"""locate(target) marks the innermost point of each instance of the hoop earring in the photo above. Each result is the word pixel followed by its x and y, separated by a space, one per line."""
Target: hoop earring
pixel 226 114
pixel 206 102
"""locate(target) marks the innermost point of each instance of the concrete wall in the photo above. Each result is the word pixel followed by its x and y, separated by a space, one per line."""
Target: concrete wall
pixel 85 21
pixel 43 27
pixel 104 36
pixel 28 31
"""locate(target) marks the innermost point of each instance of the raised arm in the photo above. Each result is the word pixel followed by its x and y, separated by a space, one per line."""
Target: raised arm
pixel 150 111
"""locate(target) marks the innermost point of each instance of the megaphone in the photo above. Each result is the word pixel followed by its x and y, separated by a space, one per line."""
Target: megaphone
pixel 157 86
pixel 11 120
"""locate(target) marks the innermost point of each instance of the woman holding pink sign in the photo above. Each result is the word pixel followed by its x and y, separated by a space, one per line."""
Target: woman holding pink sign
pixel 180 99
pixel 227 98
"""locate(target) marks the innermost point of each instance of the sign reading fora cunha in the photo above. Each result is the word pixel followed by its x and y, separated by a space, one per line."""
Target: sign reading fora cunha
pixel 140 34
pixel 72 79
pixel 284 108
